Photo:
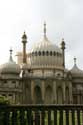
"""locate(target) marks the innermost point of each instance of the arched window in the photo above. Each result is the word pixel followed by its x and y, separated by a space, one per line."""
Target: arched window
pixel 47 53
pixel 32 53
pixel 67 95
pixel 39 53
pixel 37 95
pixel 59 95
pixel 43 53
pixel 50 53
pixel 54 53
pixel 48 95
pixel 36 53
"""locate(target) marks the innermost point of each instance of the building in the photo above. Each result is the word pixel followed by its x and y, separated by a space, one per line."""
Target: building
pixel 40 76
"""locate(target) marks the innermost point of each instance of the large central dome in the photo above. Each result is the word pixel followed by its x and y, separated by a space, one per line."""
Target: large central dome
pixel 46 54
pixel 46 45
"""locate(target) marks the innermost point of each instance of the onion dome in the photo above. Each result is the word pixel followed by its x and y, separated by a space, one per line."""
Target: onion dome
pixel 75 71
pixel 45 53
pixel 10 67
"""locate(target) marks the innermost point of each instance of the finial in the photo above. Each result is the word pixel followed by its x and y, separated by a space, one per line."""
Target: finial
pixel 62 39
pixel 24 37
pixel 75 60
pixel 44 29
pixel 63 44
pixel 11 54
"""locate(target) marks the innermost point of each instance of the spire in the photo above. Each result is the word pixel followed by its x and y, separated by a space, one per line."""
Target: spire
pixel 75 60
pixel 24 38
pixel 63 51
pixel 63 44
pixel 10 59
pixel 24 41
pixel 44 29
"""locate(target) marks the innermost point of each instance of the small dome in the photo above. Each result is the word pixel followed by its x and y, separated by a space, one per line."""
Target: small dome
pixel 10 67
pixel 75 70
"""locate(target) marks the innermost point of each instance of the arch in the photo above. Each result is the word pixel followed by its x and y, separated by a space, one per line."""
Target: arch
pixel 36 53
pixel 59 95
pixel 54 53
pixel 32 53
pixel 43 53
pixel 48 95
pixel 39 53
pixel 37 95
pixel 67 95
pixel 47 53
pixel 28 95
pixel 50 53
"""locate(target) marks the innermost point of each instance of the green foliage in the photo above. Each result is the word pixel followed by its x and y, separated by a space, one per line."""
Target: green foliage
pixel 4 100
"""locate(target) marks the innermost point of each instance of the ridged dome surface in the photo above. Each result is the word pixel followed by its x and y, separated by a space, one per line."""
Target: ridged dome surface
pixel 46 54
pixel 75 71
pixel 46 45
pixel 10 67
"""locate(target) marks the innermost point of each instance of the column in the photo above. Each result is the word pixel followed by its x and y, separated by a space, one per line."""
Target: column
pixel 70 93
pixel 32 91
pixel 64 97
pixel 54 92
pixel 43 91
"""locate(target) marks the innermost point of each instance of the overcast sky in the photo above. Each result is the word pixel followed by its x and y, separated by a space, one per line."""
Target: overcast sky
pixel 64 19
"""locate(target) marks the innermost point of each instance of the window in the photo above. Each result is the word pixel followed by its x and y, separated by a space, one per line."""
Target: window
pixel 54 53
pixel 10 94
pixel 47 53
pixel 36 53
pixel 32 53
pixel 4 95
pixel 43 53
pixel 13 81
pixel 5 81
pixel 39 53
pixel 50 53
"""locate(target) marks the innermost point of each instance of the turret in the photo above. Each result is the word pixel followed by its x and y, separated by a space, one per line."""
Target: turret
pixel 24 41
pixel 63 51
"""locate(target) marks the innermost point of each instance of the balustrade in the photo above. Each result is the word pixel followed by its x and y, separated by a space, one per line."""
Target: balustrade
pixel 41 114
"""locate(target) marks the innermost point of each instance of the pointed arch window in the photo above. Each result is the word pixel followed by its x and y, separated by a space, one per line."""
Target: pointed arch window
pixel 43 53
pixel 50 53
pixel 47 53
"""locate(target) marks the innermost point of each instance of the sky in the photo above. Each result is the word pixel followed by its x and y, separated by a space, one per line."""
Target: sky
pixel 64 19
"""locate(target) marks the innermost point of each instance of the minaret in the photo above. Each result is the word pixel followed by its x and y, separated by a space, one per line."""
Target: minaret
pixel 44 29
pixel 74 60
pixel 10 59
pixel 63 51
pixel 24 41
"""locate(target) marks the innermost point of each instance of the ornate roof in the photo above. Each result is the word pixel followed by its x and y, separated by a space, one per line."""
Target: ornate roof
pixel 75 70
pixel 46 45
pixel 10 66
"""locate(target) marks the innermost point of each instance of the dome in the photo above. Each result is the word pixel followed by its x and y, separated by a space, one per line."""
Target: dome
pixel 75 70
pixel 46 45
pixel 45 53
pixel 10 67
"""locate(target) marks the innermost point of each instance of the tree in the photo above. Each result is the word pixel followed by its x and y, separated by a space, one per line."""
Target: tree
pixel 4 100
